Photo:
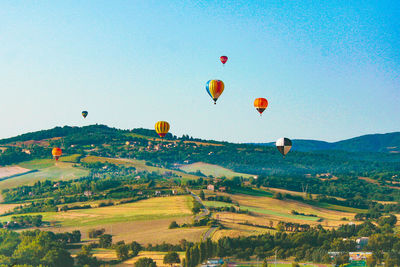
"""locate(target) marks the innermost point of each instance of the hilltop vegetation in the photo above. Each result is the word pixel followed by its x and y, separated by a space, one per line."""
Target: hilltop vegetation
pixel 100 140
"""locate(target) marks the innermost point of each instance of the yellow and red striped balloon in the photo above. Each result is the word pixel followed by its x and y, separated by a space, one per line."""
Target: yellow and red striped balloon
pixel 260 104
pixel 215 88
pixel 162 128
pixel 57 152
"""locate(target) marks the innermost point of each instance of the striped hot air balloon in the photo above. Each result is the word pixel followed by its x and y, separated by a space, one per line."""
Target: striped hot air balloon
pixel 57 152
pixel 223 59
pixel 260 104
pixel 215 88
pixel 162 128
pixel 284 145
pixel 85 113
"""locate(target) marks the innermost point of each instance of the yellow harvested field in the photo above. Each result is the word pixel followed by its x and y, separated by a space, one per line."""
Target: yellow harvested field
pixel 145 221
pixel 295 193
pixel 7 207
pixel 234 229
pixel 158 257
pixel 266 211
pixel 286 206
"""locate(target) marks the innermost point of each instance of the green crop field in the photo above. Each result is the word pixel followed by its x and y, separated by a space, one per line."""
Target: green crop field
pixel 279 214
pixel 252 192
pixel 339 208
pixel 214 170
pixel 47 169
pixel 217 204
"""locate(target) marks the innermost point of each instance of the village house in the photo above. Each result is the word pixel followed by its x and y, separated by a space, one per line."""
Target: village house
pixel 211 187
pixel 88 193
pixel 222 188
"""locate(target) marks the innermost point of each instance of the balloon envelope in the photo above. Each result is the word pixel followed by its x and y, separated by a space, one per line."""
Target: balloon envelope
pixel 215 88
pixel 162 128
pixel 223 59
pixel 260 104
pixel 57 152
pixel 284 145
pixel 85 113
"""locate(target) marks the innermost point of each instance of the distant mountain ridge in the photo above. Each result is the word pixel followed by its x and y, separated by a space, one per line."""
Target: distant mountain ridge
pixel 389 143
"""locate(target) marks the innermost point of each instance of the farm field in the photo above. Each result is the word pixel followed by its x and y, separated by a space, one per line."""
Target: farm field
pixel 144 221
pixel 11 170
pixel 211 169
pixel 266 211
pixel 158 257
pixel 138 164
pixel 270 207
pixel 6 207
pixel 47 170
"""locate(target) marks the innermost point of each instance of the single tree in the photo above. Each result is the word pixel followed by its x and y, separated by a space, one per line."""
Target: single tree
pixel 145 262
pixel 201 195
pixel 171 258
pixel 122 251
pixel 173 225
pixel 105 241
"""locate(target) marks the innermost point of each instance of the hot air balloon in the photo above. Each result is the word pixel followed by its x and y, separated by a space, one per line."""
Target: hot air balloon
pixel 215 88
pixel 223 59
pixel 162 128
pixel 284 145
pixel 57 152
pixel 84 113
pixel 260 104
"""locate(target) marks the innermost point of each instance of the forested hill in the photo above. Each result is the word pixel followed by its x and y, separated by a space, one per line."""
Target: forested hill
pixel 387 143
pixel 101 140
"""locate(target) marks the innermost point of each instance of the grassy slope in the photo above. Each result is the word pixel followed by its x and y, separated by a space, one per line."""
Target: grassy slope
pixel 214 170
pixel 48 169
pixel 138 164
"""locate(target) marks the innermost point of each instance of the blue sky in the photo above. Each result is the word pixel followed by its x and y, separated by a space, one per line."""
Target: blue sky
pixel 330 69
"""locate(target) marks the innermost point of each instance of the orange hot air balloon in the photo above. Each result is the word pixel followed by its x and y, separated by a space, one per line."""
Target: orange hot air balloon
pixel 162 128
pixel 57 152
pixel 223 59
pixel 260 104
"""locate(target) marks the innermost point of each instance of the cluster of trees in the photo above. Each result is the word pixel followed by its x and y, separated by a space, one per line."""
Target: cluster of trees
pixel 292 227
pixel 34 248
pixel 18 222
pixel 303 214
pixel 350 187
pixel 166 247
